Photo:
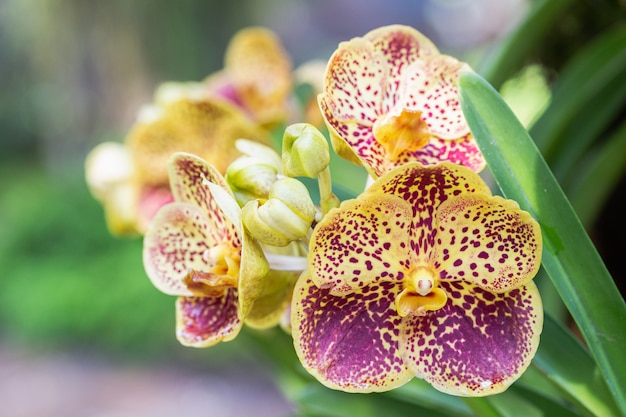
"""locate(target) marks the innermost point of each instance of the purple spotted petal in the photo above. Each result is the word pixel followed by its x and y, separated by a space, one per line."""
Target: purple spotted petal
pixel 479 343
pixel 353 140
pixel 463 152
pixel 400 46
pixel 350 342
pixel 175 243
pixel 429 86
pixel 487 240
pixel 354 83
pixel 425 188
pixel 188 177
pixel 206 321
pixel 363 241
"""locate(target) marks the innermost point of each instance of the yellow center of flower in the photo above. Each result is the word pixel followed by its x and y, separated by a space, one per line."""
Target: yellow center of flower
pixel 397 133
pixel 224 261
pixel 420 293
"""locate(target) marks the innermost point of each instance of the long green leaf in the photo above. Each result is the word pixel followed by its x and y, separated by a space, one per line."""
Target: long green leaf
pixel 569 256
pixel 595 181
pixel 582 384
pixel 598 70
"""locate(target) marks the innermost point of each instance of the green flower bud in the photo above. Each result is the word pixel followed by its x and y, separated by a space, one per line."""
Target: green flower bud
pixel 305 151
pixel 284 217
pixel 250 178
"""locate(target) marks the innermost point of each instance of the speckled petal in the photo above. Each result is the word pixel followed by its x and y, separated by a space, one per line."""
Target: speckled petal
pixel 429 86
pixel 355 82
pixel 400 45
pixel 206 321
pixel 463 151
pixel 425 188
pixel 349 343
pixel 175 243
pixel 353 140
pixel 489 241
pixel 479 343
pixel 361 242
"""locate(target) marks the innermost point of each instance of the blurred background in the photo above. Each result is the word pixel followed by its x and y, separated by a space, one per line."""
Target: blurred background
pixel 82 331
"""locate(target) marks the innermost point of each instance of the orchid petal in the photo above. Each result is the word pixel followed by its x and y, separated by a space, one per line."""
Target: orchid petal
pixel 425 188
pixel 206 321
pixel 349 342
pixel 252 274
pixel 355 82
pixel 352 140
pixel 361 242
pixel 488 241
pixel 479 343
pixel 429 85
pixel 207 128
pixel 190 177
pixel 269 307
pixel 400 45
pixel 260 70
pixel 463 151
pixel 175 244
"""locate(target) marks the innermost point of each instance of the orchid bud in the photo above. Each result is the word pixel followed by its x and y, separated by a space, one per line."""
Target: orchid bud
pixel 285 216
pixel 305 151
pixel 250 178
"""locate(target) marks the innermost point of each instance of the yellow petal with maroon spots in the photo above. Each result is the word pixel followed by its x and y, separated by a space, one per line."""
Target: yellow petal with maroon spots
pixel 425 188
pixel 189 176
pixel 179 241
pixel 478 343
pixel 399 45
pixel 350 342
pixel 429 86
pixel 205 127
pixel 361 242
pixel 353 140
pixel 487 240
pixel 206 321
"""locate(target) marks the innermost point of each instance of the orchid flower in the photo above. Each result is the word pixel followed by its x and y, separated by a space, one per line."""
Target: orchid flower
pixel 390 98
pixel 131 179
pixel 425 274
pixel 256 76
pixel 197 249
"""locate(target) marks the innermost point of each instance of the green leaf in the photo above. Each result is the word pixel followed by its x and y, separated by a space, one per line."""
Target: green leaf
pixel 582 384
pixel 589 92
pixel 509 55
pixel 318 400
pixel 592 187
pixel 569 257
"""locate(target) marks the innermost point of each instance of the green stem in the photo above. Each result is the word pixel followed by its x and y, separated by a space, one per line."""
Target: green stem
pixel 481 407
pixel 327 199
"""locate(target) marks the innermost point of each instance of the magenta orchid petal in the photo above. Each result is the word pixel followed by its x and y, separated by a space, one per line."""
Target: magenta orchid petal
pixel 478 343
pixel 349 342
pixel 206 321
